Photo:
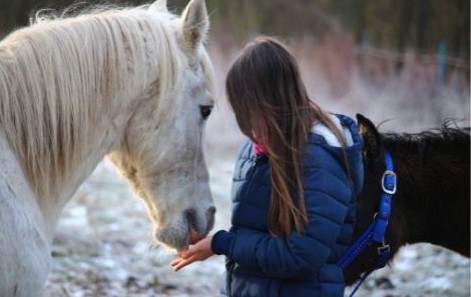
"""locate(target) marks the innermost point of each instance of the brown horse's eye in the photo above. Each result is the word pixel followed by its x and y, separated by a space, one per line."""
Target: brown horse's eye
pixel 205 111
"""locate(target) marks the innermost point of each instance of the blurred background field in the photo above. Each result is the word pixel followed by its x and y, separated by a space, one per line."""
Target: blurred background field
pixel 404 63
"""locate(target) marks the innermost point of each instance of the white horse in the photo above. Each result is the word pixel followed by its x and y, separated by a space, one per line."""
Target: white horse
pixel 132 84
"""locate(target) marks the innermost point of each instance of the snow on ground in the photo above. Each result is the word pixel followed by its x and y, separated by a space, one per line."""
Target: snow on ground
pixel 103 245
pixel 103 248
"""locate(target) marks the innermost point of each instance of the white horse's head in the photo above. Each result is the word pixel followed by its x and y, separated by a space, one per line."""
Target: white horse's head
pixel 162 153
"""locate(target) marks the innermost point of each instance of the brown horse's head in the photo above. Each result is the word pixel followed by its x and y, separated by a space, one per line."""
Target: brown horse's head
pixel 368 202
pixel 431 203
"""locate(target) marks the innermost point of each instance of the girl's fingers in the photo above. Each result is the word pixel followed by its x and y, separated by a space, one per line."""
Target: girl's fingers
pixel 198 252
pixel 188 253
pixel 183 263
pixel 176 261
pixel 179 266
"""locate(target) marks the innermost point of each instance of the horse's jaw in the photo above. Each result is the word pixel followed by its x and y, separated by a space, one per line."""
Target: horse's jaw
pixel 179 206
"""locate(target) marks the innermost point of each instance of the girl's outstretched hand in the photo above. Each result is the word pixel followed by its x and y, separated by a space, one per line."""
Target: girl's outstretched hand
pixel 198 252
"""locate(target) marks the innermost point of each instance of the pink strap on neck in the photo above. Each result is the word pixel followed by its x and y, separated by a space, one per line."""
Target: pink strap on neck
pixel 258 149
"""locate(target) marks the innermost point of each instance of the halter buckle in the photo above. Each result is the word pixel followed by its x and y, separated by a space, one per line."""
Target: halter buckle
pixel 388 182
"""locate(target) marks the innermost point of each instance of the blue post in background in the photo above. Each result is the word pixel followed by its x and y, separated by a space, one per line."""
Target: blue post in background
pixel 441 67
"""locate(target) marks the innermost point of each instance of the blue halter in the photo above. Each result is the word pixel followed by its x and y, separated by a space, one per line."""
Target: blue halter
pixel 376 231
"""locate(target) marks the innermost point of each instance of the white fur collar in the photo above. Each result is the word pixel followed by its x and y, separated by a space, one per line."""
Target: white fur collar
pixel 329 136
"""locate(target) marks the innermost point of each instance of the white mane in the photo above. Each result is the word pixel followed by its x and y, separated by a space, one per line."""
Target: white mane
pixel 58 77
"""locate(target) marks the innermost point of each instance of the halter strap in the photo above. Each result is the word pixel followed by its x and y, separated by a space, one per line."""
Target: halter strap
pixel 388 184
pixel 376 231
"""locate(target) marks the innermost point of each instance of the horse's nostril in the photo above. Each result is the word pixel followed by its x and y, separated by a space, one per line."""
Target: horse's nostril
pixel 200 227
pixel 211 210
pixel 191 217
pixel 211 217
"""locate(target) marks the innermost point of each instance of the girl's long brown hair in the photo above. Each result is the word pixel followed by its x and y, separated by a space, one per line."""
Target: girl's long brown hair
pixel 272 108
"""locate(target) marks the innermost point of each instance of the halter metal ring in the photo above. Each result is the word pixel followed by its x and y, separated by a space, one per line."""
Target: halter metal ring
pixel 394 184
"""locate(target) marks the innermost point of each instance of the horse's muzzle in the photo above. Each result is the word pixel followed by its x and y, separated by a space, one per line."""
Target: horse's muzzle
pixel 198 230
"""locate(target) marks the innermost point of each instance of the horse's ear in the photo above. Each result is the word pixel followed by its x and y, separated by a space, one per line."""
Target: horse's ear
pixel 371 138
pixel 159 6
pixel 195 24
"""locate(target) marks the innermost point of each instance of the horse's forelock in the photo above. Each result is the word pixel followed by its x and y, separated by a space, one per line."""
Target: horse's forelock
pixel 209 73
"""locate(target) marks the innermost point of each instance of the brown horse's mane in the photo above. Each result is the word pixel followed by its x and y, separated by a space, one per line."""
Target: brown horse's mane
pixel 445 140
pixel 448 135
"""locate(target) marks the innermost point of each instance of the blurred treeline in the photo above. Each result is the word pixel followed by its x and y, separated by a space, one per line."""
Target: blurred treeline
pixel 392 24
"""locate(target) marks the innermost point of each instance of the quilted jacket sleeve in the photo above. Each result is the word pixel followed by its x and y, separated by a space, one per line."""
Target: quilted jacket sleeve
pixel 328 194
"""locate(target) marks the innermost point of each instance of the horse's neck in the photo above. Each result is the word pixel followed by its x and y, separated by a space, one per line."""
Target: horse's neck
pixel 46 212
pixel 104 138
pixel 98 146
pixel 431 202
pixel 15 182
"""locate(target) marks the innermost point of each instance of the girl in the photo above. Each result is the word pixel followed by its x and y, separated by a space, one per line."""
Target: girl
pixel 294 186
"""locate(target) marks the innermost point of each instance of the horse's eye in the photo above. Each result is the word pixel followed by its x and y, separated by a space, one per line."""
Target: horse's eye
pixel 205 111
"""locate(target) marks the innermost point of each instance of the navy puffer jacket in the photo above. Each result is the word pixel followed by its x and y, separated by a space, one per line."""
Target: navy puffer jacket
pixel 299 265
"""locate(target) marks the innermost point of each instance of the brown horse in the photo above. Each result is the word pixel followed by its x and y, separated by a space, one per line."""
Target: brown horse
pixel 432 202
